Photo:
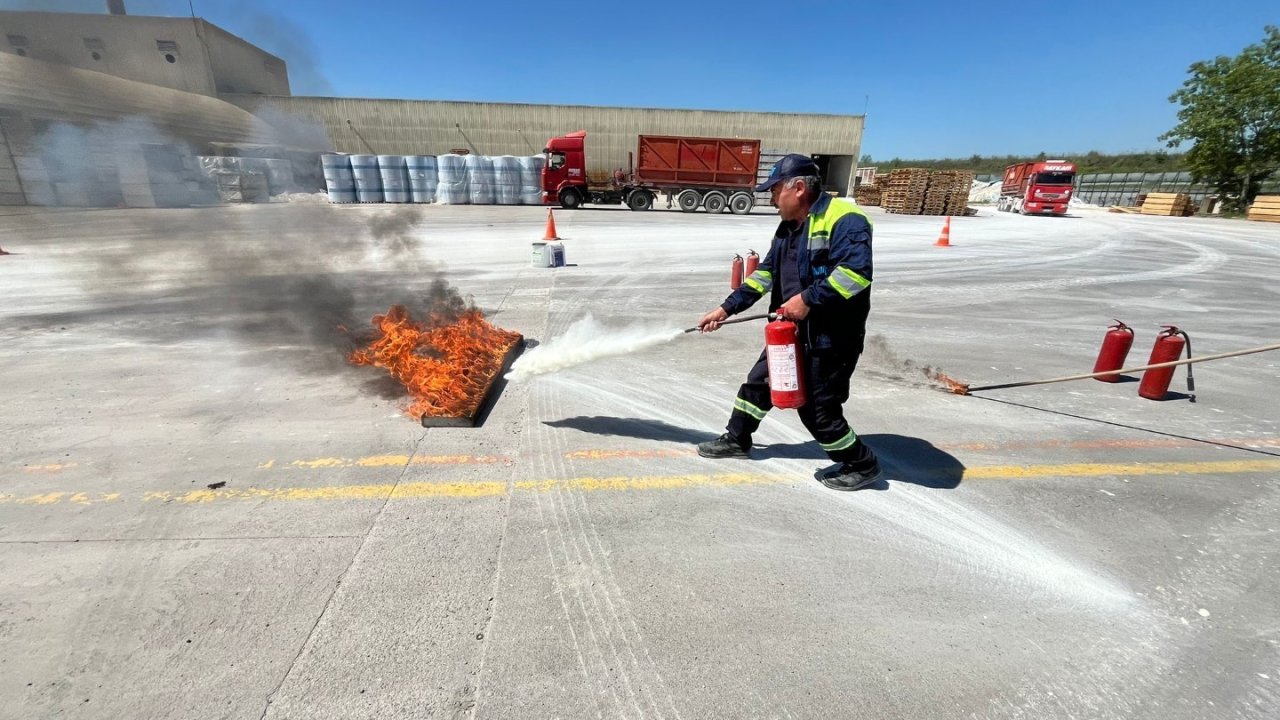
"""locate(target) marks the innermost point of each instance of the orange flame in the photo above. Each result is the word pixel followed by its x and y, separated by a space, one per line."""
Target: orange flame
pixel 446 368
pixel 952 385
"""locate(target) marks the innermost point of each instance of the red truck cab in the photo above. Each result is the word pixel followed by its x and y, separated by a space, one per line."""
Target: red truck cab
pixel 564 176
pixel 1037 188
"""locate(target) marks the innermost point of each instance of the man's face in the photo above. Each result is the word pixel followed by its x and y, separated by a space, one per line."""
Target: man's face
pixel 789 200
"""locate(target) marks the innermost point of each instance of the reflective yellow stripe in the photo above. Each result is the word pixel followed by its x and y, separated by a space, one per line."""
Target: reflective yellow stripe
pixel 748 408
pixel 821 226
pixel 843 443
pixel 760 281
pixel 847 282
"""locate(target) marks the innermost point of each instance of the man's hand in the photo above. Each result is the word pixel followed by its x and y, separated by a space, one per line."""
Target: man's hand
pixel 711 321
pixel 794 309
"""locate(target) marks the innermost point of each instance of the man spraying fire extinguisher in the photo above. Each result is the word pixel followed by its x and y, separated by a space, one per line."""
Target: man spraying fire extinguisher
pixel 817 274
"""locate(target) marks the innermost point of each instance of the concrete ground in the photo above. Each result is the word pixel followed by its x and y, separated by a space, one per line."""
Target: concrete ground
pixel 1060 551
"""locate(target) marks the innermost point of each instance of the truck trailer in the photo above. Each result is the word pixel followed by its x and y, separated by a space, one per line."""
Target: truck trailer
pixel 691 172
pixel 1037 188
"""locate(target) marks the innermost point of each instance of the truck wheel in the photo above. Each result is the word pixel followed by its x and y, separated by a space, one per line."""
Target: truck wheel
pixel 741 203
pixel 688 200
pixel 639 200
pixel 714 202
pixel 570 199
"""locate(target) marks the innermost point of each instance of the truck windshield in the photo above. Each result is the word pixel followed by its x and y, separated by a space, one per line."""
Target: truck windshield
pixel 1054 178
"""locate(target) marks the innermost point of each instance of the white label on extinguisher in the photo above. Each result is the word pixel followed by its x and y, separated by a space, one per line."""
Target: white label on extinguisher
pixel 782 368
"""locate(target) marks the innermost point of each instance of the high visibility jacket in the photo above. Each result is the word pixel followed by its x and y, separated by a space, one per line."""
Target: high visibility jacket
pixel 835 274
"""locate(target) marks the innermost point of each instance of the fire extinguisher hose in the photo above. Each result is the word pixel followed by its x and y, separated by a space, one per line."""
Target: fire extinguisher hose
pixel 744 318
pixel 966 390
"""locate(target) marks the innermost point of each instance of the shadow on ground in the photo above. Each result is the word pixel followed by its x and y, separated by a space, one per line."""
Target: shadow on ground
pixel 633 427
pixel 903 458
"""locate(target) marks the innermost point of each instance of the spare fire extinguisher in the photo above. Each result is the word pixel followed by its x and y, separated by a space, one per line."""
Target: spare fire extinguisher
pixel 1115 348
pixel 753 262
pixel 1169 344
pixel 783 354
pixel 735 273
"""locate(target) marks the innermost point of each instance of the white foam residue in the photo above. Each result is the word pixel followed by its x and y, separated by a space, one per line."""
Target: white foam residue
pixel 587 340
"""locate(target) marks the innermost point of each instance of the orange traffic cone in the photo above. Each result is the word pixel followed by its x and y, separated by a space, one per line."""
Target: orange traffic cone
pixel 551 227
pixel 944 240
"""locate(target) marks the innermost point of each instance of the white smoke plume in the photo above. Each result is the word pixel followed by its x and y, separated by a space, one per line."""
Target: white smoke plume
pixel 587 340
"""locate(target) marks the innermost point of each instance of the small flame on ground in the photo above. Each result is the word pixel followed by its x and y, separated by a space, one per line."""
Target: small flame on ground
pixel 951 384
pixel 446 367
pixel 887 364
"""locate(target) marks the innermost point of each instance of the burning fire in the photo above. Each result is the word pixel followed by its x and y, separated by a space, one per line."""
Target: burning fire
pixel 446 367
pixel 951 383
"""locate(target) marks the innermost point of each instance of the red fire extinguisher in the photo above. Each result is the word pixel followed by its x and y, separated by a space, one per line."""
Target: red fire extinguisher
pixel 1168 347
pixel 786 376
pixel 753 262
pixel 735 273
pixel 1115 348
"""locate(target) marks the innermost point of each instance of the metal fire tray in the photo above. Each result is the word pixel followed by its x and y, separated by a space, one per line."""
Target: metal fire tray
pixel 490 395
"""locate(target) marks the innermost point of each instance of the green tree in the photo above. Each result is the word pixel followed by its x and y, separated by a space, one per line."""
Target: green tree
pixel 1231 112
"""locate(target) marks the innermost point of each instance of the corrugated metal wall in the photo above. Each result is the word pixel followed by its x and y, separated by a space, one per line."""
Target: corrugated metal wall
pixel 407 127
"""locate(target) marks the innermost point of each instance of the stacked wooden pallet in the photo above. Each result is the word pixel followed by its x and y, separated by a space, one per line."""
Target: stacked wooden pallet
pixel 958 200
pixel 948 192
pixel 1265 208
pixel 905 191
pixel 1168 204
pixel 867 195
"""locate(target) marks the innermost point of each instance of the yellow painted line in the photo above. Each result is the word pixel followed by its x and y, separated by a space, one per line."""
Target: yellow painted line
pixel 56 498
pixel 1113 444
pixel 1014 472
pixel 375 461
pixel 424 490
pixel 50 468
pixel 628 454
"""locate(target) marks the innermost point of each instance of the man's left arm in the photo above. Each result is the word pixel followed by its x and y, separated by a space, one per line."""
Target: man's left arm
pixel 849 260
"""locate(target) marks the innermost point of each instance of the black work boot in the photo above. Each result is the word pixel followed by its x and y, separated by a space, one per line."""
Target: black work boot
pixel 846 476
pixel 723 447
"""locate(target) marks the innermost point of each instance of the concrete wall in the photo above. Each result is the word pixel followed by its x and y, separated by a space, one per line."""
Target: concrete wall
pixel 407 127
pixel 77 137
pixel 239 67
pixel 205 58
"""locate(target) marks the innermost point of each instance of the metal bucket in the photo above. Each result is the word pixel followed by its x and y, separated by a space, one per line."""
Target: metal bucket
pixel 541 257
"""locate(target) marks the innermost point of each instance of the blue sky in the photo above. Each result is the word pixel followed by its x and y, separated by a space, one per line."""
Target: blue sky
pixel 938 79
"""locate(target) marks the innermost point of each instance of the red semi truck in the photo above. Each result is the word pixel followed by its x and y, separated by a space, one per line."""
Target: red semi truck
pixel 712 173
pixel 1037 188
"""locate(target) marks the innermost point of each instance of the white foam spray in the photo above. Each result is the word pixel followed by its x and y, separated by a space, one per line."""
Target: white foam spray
pixel 587 340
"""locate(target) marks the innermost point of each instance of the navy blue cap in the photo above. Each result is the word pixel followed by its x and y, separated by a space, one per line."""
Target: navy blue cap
pixel 789 166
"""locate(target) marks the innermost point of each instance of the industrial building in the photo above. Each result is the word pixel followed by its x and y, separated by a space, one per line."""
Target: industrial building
pixel 114 109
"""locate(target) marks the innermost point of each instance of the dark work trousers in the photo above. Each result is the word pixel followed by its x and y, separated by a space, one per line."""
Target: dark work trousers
pixel 827 388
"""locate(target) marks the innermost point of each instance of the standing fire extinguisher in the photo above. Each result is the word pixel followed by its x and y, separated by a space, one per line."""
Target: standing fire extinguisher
pixel 1115 348
pixel 753 262
pixel 1168 347
pixel 735 273
pixel 785 360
